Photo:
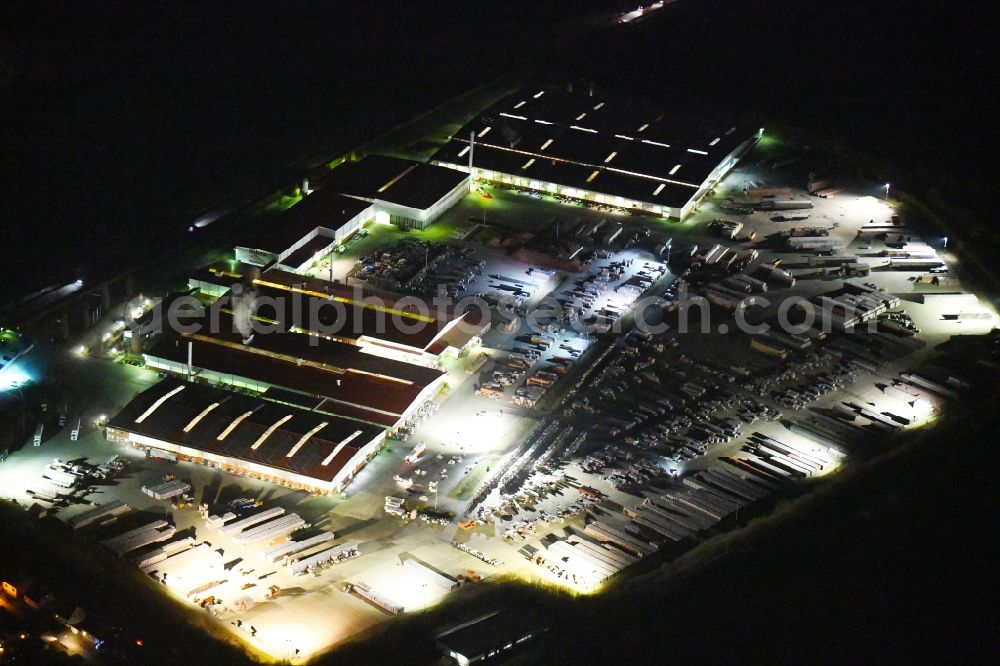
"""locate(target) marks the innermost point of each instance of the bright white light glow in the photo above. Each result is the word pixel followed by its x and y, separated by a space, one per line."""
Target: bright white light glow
pixel 12 377
pixel 472 431
pixel 697 152
pixel 583 129
pixel 870 206
pixel 510 115
pixel 656 143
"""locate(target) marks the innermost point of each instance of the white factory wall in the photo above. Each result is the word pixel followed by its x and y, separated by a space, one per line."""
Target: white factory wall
pixel 572 192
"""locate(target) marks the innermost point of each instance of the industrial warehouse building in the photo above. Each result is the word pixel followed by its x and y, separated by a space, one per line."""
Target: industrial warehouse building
pixel 408 194
pixel 377 188
pixel 381 323
pixel 347 352
pixel 244 435
pixel 322 375
pixel 601 149
pixel 306 231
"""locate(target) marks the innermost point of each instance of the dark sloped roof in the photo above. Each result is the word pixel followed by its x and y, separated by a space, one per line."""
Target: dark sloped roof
pixel 290 345
pixel 219 410
pixel 353 387
pixel 307 251
pixel 403 182
pixel 322 208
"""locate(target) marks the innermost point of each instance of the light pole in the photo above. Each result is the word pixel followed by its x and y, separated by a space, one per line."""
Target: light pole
pixel 887 191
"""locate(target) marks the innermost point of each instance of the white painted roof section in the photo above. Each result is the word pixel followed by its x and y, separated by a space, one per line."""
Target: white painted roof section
pixel 583 129
pixel 659 188
pixel 677 167
pixel 159 403
pixel 510 115
pixel 539 94
pixel 599 105
pixel 270 431
pixel 198 418
pixel 546 144
pixel 232 426
pixel 643 127
pixel 611 156
pixel 484 132
pixel 581 116
pixel 697 152
pixel 715 140
pixel 528 163
pixel 592 176
pixel 520 104
pixel 464 151
pixel 656 143
pixel 305 438
pixel 337 449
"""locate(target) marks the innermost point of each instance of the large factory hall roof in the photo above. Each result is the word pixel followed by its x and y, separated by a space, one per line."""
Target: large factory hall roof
pixel 323 208
pixel 346 312
pixel 403 182
pixel 250 429
pixel 596 143
pixel 377 397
